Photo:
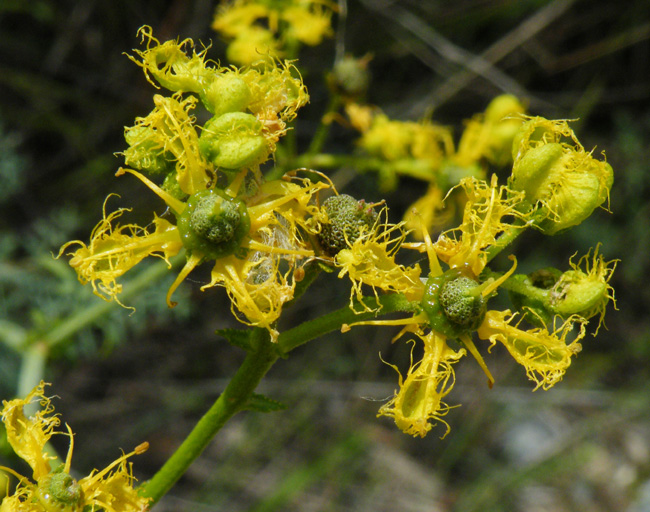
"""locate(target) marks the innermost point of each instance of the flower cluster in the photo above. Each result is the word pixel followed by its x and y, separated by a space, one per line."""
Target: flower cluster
pixel 426 151
pixel 222 210
pixel 53 488
pixel 452 304
pixel 257 29
pixel 259 234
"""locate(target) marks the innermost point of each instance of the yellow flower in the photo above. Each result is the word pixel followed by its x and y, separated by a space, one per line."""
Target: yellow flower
pixel 370 261
pixel 243 21
pixel 168 63
pixel 268 94
pixel 490 135
pixel 168 133
pixel 545 354
pixel 29 435
pixel 453 303
pixel 396 140
pixel 309 24
pixel 584 290
pixel 253 45
pixel 110 489
pixel 231 18
pixel 556 173
pixel 489 210
pixel 254 241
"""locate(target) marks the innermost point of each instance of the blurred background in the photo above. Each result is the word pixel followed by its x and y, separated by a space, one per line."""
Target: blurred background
pixel 66 92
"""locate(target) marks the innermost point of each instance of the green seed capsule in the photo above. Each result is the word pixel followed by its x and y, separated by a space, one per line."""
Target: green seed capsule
pixel 213 223
pixel 453 303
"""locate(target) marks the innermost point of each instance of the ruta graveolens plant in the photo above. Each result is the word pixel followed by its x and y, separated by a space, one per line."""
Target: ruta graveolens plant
pixel 267 234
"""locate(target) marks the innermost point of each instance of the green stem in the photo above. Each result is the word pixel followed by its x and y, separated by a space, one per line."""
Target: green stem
pixel 513 231
pixel 32 370
pixel 257 363
pixel 233 399
pixel 318 141
pixel 288 340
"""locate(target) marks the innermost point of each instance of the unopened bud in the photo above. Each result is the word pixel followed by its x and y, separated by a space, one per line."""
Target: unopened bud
pixel 226 93
pixel 233 140
pixel 554 170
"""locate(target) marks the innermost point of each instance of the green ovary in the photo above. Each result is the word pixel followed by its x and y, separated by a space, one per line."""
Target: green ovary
pixel 213 223
pixel 453 303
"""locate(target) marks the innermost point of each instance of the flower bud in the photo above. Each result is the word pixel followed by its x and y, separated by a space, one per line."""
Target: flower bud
pixel 145 152
pixel 226 93
pixel 537 171
pixel 251 45
pixel 558 175
pixel 503 106
pixel 350 77
pixel 503 114
pixel 584 290
pixel 233 140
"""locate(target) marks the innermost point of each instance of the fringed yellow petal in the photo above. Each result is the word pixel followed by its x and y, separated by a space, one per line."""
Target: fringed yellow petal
pixel 115 249
pixel 170 126
pixel 489 210
pixel 110 490
pixel 28 435
pixel 256 287
pixel 418 405
pixel 370 261
pixel 169 64
pixel 584 290
pixel 545 354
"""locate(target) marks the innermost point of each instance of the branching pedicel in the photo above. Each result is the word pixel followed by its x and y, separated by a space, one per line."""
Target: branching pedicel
pixel 265 235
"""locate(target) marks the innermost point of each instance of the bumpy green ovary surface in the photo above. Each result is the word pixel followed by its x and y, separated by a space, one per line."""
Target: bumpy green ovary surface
pixel 213 224
pixel 58 491
pixel 347 218
pixel 454 303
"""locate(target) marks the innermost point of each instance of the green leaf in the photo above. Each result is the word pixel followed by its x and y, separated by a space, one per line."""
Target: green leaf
pixel 261 403
pixel 237 337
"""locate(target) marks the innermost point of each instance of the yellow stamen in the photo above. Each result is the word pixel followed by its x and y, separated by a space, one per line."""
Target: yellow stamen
pixel 171 201
pixel 493 285
pixel 190 265
pixel 469 344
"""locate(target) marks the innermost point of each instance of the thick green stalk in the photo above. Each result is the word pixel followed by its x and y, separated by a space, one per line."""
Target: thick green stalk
pixel 233 399
pixel 257 363
pixel 306 331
